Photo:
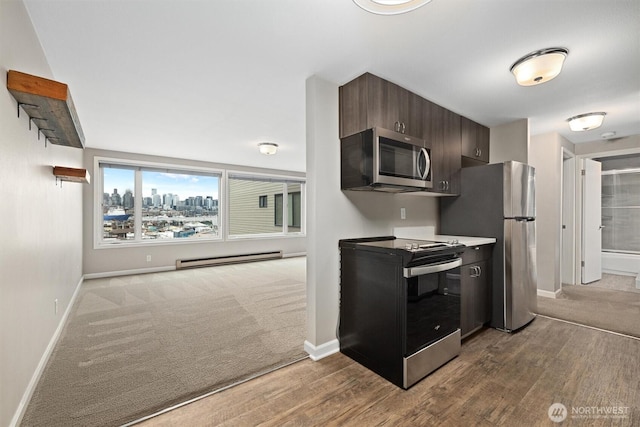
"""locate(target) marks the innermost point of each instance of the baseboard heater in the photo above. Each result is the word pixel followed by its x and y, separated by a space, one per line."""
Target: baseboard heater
pixel 228 259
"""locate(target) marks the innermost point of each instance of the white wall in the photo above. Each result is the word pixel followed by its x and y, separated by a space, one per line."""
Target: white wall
pixel 40 223
pixel 509 142
pixel 333 214
pixel 545 154
pixel 107 261
pixel 627 145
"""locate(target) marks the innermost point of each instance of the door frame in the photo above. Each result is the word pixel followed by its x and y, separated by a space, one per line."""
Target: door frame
pixel 571 255
pixel 578 201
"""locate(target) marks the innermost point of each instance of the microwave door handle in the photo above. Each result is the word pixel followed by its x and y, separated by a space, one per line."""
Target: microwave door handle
pixel 424 173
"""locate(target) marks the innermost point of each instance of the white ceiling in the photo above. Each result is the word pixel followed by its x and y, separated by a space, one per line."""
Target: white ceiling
pixel 210 79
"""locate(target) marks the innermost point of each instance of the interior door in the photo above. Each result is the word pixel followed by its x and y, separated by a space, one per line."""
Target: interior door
pixel 591 222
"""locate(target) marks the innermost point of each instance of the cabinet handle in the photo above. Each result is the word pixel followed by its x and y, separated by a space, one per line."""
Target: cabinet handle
pixel 479 271
pixel 396 126
pixel 402 127
pixel 447 183
pixel 475 272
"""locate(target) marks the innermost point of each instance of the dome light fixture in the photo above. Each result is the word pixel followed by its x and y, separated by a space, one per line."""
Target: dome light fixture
pixel 539 66
pixel 587 121
pixel 390 7
pixel 268 148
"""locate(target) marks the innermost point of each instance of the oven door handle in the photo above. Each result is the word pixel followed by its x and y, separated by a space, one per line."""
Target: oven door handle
pixel 431 268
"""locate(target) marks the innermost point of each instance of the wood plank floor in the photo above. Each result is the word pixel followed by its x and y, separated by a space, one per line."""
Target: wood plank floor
pixel 498 379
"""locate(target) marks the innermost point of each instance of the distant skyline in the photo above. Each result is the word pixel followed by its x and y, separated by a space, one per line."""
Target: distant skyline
pixel 183 185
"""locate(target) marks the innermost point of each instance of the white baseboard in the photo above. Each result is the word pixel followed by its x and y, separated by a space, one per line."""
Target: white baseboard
pixel 618 272
pixel 323 350
pixel 548 294
pixel 294 254
pixel 31 387
pixel 128 272
pixel 156 269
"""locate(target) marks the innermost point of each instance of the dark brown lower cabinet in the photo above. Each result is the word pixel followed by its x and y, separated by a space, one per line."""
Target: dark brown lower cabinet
pixel 475 289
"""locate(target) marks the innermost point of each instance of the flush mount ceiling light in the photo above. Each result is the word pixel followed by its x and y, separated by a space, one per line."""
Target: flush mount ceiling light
pixel 390 7
pixel 268 148
pixel 539 66
pixel 586 121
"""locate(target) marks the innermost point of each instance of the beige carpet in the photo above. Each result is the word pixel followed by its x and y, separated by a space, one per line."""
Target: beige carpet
pixel 608 309
pixel 135 345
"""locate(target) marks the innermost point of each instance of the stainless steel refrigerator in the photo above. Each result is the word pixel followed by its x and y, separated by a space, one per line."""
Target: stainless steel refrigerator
pixel 498 200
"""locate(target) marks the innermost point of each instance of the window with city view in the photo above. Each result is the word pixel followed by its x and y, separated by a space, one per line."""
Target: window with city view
pixel 154 203
pixel 173 204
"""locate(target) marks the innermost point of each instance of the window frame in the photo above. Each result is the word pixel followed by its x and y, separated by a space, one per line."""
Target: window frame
pixel 140 165
pixel 258 176
pixel 223 202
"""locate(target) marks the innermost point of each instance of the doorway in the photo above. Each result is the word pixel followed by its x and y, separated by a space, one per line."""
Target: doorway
pixel 618 218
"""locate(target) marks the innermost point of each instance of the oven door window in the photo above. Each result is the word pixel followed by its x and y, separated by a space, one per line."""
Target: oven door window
pixel 404 160
pixel 433 308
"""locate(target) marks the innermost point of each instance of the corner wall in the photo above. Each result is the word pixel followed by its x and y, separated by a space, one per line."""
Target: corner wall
pixel 40 224
pixel 545 154
pixel 333 215
pixel 509 142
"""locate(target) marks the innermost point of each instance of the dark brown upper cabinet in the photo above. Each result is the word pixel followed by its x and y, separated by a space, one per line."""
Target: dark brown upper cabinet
pixel 369 101
pixel 474 143
pixel 442 130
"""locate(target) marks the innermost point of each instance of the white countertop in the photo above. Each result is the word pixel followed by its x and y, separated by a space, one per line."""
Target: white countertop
pixel 465 240
pixel 428 233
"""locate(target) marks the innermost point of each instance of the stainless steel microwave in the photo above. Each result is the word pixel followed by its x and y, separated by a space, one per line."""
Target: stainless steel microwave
pixel 384 160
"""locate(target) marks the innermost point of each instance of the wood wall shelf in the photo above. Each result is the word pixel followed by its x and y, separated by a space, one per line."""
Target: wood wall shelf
pixel 49 105
pixel 72 174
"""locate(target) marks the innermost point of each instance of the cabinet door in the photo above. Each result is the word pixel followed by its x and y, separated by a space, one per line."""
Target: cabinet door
pixel 474 140
pixel 352 106
pixel 411 113
pixel 369 101
pixel 475 309
pixel 467 299
pixel 451 151
pixel 433 133
pixel 468 138
pixel 483 295
pixel 442 130
pixel 384 103
pixel 482 142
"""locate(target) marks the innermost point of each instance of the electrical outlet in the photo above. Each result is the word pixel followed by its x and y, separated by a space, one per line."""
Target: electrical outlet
pixel 148 258
pixel 55 306
pixel 403 213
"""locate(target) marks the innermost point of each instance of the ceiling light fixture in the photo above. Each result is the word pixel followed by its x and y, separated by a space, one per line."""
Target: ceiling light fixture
pixel 586 121
pixel 268 148
pixel 390 7
pixel 539 66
